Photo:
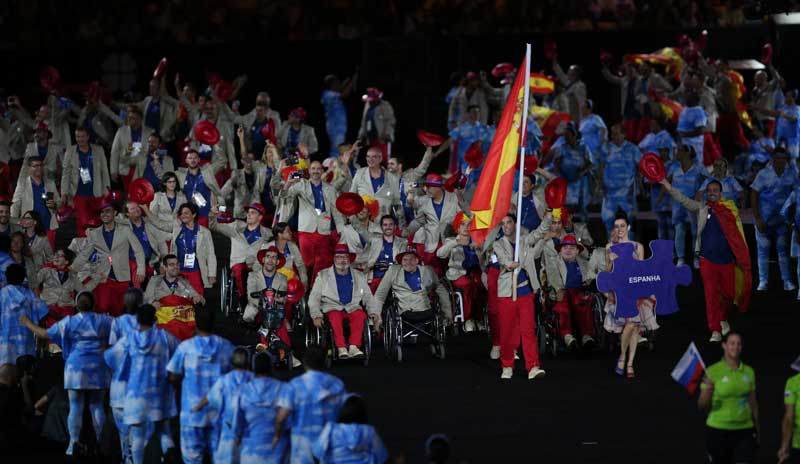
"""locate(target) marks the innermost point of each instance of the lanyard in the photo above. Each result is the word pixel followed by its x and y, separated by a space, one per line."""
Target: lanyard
pixel 183 240
pixel 197 179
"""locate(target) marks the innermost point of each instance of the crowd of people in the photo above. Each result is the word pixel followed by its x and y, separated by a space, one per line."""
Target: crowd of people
pixel 185 173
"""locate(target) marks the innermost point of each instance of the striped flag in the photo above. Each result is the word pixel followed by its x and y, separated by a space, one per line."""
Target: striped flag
pixel 668 57
pixel 670 108
pixel 176 316
pixel 689 371
pixel 492 198
pixel 542 84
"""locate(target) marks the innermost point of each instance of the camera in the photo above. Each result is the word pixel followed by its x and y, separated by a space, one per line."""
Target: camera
pixel 296 175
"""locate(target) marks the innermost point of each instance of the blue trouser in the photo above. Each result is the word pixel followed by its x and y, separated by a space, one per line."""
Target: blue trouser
pixel 197 442
pixel 336 136
pixel 77 401
pixel 665 230
pixel 123 429
pixel 613 203
pixel 578 197
pixel 140 434
pixel 680 220
pixel 780 234
pixel 226 450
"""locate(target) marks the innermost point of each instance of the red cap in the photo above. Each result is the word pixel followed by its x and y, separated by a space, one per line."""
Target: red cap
pixel 258 207
pixel 373 94
pixel 343 249
pixel 766 53
pixel 206 133
pixel 224 91
pixel 50 79
pixel 294 290
pixel 429 139
pixel 531 164
pixel 299 112
pixel 502 69
pixel 456 181
pixel 474 155
pixel 410 249
pixel 652 167
pixel 161 68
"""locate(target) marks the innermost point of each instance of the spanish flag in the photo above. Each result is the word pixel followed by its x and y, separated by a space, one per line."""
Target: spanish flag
pixel 176 316
pixel 542 84
pixel 671 109
pixel 731 223
pixel 492 198
pixel 668 57
pixel 548 121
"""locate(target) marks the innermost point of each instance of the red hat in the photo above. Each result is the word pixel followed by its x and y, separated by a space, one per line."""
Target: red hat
pixel 349 203
pixel 373 94
pixel 343 249
pixel 531 165
pixel 106 202
pixel 471 76
pixel 410 249
pixel 206 132
pixel 433 180
pixel 160 69
pixel 474 155
pixel 429 139
pixel 63 214
pixel 294 290
pixel 44 127
pixel 766 53
pixel 502 69
pixel 299 112
pixel 555 192
pixel 272 249
pixel 224 91
pixel 50 79
pixel 652 167
pixel 456 181
pixel 141 191
pixel 258 207
pixel 460 219
pixel 92 222
pixel 550 50
pixel 569 240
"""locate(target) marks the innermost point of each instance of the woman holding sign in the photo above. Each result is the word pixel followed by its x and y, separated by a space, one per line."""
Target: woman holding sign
pixel 627 327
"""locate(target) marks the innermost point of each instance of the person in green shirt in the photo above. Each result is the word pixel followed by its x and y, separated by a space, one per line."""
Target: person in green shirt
pixel 790 441
pixel 728 394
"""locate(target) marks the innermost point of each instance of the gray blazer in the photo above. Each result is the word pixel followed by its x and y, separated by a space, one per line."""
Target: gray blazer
pixel 409 300
pixel 70 175
pixel 324 296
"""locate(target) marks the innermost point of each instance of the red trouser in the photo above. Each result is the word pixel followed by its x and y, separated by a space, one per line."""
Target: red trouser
pixel 373 286
pixel 356 320
pixel 203 221
pixel 239 271
pixel 517 320
pixel 51 237
pixel 578 302
pixel 719 286
pixel 317 252
pixel 58 313
pixel 636 129
pixel 492 273
pixel 108 297
pixel 469 285
pixel 84 209
pixel 148 272
pixel 430 259
pixel 196 280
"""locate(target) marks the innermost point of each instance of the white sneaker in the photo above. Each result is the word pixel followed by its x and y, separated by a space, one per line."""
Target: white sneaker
pixel 535 373
pixel 725 327
pixel 716 337
pixel 494 353
pixel 507 373
pixel 587 340
pixel 342 353
pixel 469 326
pixel 762 286
pixel 789 286
pixel 516 355
pixel 295 362
pixel 355 352
pixel 681 262
pixel 570 341
pixel 696 263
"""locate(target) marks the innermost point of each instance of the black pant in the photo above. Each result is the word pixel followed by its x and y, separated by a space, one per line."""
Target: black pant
pixel 730 446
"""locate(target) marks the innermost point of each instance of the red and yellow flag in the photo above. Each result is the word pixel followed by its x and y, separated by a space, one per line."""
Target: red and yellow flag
pixel 731 223
pixel 492 198
pixel 542 84
pixel 668 56
pixel 176 316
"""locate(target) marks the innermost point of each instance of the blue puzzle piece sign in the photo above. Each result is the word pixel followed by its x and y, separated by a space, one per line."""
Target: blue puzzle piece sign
pixel 631 279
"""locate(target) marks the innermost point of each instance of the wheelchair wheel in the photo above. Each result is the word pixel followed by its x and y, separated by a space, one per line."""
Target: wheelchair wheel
pixel 366 342
pixel 299 313
pixel 458 308
pixel 541 335
pixel 224 289
pixel 440 330
pixel 389 330
pixel 598 314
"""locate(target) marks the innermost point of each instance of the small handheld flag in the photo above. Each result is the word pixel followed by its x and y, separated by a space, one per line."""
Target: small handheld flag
pixel 690 368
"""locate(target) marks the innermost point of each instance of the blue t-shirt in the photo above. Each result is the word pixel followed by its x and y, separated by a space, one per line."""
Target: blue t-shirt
pixel 574 277
pixel 196 183
pixel 266 192
pixel 141 234
pixel 437 207
pixel 413 279
pixel 42 150
pixel 293 139
pixel 108 236
pixel 39 203
pixel 527 289
pixel 86 162
pixel 530 217
pixel 187 243
pixel 387 252
pixel 319 200
pixel 269 279
pixel 257 136
pixel 344 284
pixel 136 135
pixel 377 183
pixel 153 117
pixel 470 258
pixel 150 173
pixel 714 246
pixel 252 236
pixel 373 132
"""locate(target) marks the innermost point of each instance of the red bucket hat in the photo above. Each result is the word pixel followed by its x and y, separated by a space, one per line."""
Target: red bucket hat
pixel 433 180
pixel 429 139
pixel 141 191
pixel 206 133
pixel 410 249
pixel 652 167
pixel 272 249
pixel 349 203
pixel 343 249
pixel 294 290
pixel 161 68
pixel 569 240
pixel 474 155
pixel 456 181
pixel 555 192
pixel 502 69
pixel 258 207
pixel 373 94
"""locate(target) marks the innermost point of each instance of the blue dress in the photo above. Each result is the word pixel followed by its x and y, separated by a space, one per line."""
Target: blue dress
pixel 82 339
pixel 257 406
pixel 222 398
pixel 314 399
pixel 149 396
pixel 349 444
pixel 15 339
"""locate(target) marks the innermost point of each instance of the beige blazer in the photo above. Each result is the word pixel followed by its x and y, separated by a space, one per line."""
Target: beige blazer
pixel 70 175
pixel 123 238
pixel 454 254
pixel 52 160
pixel 122 154
pixel 556 268
pixel 206 258
pixel 241 251
pixel 407 299
pixel 375 248
pixel 53 291
pixel 156 237
pixel 504 250
pixel 23 199
pixel 256 284
pixel 168 108
pixel 597 263
pixel 385 120
pixel 388 195
pixel 247 120
pixel 242 195
pixel 433 227
pixel 209 179
pixel 308 218
pixel 139 164
pixel 324 296
pixel 307 137
pixel 157 288
pixel 41 253
pixel 293 261
pixel 701 208
pixel 350 237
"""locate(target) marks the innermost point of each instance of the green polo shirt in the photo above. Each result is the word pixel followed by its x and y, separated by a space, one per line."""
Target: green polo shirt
pixel 730 408
pixel 791 397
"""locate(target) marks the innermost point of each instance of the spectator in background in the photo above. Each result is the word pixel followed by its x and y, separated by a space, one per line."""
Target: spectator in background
pixel 295 132
pixel 335 113
pixel 377 122
pixel 685 175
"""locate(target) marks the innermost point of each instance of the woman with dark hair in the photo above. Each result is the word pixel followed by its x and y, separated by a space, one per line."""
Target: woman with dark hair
pixel 166 202
pixel 38 243
pixel 58 285
pixel 82 338
pixel 350 439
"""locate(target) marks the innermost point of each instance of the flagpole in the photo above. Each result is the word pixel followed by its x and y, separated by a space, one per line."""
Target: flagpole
pixel 522 137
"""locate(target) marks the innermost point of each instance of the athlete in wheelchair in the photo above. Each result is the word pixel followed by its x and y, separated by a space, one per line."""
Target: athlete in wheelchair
pixel 413 311
pixel 340 294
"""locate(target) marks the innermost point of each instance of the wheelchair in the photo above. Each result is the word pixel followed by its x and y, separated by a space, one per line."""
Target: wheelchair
pixel 409 326
pixel 272 316
pixel 457 303
pixel 324 338
pixel 228 296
